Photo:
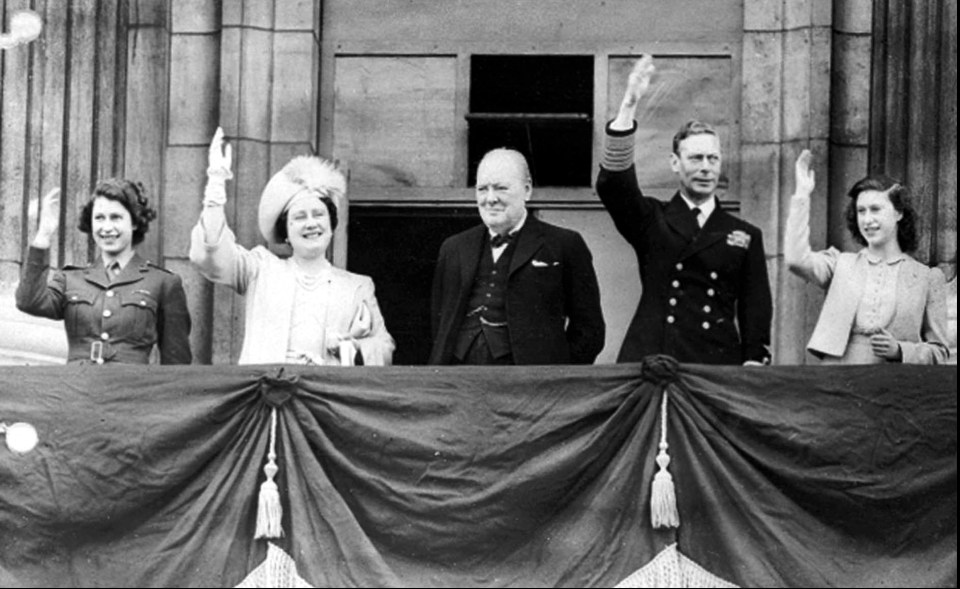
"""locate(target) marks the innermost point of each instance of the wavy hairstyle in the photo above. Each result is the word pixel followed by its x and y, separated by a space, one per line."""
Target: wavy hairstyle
pixel 132 195
pixel 899 197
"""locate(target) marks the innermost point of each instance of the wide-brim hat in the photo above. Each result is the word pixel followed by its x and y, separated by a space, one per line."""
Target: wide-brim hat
pixel 302 174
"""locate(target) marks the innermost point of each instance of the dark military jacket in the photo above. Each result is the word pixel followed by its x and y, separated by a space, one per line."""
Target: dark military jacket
pixel 110 320
pixel 706 296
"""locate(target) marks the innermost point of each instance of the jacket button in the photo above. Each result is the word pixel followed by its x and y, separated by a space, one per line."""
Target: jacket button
pixel 110 293
pixel 675 284
pixel 143 303
pixel 104 336
pixel 706 325
pixel 713 275
pixel 711 292
pixel 107 313
pixel 74 297
pixel 670 319
pixel 679 266
pixel 673 302
pixel 706 308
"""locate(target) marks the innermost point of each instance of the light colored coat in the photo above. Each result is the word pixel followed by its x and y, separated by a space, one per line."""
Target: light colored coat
pixel 269 283
pixel 920 321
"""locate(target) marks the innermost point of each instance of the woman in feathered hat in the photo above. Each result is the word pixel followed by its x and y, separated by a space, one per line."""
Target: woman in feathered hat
pixel 300 309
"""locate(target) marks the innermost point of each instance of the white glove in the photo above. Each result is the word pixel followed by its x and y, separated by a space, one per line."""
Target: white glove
pixel 218 171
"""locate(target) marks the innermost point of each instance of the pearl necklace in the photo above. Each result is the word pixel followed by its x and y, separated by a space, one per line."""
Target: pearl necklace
pixel 310 281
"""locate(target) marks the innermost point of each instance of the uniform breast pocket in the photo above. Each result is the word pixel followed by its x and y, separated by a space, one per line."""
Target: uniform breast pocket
pixel 78 312
pixel 139 314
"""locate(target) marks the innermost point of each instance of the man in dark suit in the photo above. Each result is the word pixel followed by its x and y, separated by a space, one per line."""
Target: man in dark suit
pixel 514 290
pixel 706 297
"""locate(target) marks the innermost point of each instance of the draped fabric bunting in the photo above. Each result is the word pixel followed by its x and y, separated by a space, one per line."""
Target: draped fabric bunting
pixel 489 477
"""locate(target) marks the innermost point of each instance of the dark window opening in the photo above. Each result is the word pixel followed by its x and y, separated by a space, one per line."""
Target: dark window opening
pixel 541 106
pixel 398 247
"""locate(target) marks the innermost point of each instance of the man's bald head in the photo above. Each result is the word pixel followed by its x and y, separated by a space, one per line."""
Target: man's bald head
pixel 514 157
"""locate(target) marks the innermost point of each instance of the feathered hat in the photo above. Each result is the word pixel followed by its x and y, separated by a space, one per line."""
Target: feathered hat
pixel 301 174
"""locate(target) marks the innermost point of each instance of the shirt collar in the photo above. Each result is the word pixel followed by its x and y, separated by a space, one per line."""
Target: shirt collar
pixel 516 228
pixel 706 209
pixel 123 259
pixel 876 260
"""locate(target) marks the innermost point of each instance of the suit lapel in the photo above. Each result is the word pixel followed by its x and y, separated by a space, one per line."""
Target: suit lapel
pixel 96 274
pixel 860 267
pixel 677 215
pixel 718 226
pixel 470 257
pixel 131 272
pixel 909 283
pixel 529 242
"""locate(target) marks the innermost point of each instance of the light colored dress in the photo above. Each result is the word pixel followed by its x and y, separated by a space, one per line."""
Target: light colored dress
pixel 290 319
pixel 866 295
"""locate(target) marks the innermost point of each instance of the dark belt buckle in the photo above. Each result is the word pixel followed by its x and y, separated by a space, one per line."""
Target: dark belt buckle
pixel 96 352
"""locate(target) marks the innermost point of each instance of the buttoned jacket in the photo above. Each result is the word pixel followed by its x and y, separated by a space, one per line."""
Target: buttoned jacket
pixel 705 292
pixel 919 321
pixel 552 295
pixel 269 285
pixel 118 320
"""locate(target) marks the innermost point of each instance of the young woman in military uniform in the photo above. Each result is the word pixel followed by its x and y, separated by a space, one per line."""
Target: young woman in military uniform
pixel 119 307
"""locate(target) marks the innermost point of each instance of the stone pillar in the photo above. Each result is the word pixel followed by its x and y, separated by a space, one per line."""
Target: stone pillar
pixel 785 109
pixel 194 97
pixel 850 109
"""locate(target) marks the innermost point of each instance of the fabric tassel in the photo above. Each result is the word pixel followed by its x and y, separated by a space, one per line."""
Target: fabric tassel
pixel 269 510
pixel 663 499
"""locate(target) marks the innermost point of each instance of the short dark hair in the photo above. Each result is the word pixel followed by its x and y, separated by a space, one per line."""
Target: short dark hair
pixel 132 195
pixel 692 127
pixel 899 197
pixel 280 227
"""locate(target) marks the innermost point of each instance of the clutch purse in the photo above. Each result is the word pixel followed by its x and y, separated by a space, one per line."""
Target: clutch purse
pixel 360 327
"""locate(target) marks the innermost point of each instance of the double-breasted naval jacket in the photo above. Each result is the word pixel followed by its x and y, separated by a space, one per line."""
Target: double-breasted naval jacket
pixel 110 320
pixel 705 292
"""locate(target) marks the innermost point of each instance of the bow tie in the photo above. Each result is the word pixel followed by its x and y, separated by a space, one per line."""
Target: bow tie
pixel 498 240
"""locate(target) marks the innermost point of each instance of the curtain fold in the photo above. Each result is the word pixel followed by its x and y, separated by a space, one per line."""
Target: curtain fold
pixel 484 477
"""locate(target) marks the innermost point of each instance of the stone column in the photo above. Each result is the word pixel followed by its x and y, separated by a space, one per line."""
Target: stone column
pixel 785 109
pixel 850 109
pixel 194 98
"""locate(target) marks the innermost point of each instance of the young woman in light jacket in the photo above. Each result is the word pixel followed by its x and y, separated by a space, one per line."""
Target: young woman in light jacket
pixel 881 305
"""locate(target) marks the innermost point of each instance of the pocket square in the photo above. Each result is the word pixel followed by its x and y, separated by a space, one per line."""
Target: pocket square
pixel 739 239
pixel 538 264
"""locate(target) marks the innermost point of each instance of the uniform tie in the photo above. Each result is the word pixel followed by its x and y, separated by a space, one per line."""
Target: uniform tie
pixel 695 211
pixel 113 270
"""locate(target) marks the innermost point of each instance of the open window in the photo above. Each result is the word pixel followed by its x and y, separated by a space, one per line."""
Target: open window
pixel 540 105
